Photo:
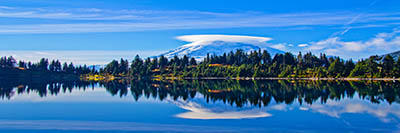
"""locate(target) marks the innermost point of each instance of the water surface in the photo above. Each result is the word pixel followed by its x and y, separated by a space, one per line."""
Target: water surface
pixel 199 106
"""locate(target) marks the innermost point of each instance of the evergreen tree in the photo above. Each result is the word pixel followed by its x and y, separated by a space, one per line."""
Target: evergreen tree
pixel 43 64
pixel 348 66
pixel 65 67
pixel 193 61
pixel 336 68
pixel 387 66
pixel 266 57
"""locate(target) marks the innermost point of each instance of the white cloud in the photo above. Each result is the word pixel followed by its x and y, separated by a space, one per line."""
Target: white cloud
pixel 280 46
pixel 382 43
pixel 302 45
pixel 6 7
pixel 204 39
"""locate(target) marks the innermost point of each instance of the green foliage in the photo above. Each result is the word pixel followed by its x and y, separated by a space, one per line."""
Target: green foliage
pixel 43 69
pixel 336 68
pixel 258 64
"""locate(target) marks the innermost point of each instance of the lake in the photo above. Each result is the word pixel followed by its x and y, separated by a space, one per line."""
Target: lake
pixel 199 106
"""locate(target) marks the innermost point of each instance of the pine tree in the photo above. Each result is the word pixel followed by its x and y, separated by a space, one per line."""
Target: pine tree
pixel 387 66
pixel 193 61
pixel 336 68
pixel 266 57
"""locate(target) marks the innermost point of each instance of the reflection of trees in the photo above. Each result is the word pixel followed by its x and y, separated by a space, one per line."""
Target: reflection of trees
pixel 261 93
pixel 42 88
pixel 161 90
pixel 238 93
pixel 116 87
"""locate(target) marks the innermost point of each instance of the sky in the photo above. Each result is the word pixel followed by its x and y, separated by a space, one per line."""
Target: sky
pixel 109 29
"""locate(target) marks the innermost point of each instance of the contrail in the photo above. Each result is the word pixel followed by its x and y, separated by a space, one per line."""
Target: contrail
pixel 352 21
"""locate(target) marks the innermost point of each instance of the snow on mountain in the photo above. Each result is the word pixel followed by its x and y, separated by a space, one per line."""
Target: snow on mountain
pixel 218 44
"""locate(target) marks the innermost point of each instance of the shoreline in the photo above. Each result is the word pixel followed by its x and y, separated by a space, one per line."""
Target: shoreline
pixel 276 78
pixel 249 78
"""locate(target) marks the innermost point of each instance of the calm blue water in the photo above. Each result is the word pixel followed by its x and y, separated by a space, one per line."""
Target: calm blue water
pixel 101 108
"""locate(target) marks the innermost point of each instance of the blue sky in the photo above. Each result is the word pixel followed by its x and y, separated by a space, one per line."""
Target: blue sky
pixel 351 29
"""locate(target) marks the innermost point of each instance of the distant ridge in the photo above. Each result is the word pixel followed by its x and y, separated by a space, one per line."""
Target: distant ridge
pixel 395 55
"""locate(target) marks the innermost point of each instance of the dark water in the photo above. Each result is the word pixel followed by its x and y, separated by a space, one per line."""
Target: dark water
pixel 199 106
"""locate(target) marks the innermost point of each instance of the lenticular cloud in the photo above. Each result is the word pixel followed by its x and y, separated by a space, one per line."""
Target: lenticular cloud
pixel 204 39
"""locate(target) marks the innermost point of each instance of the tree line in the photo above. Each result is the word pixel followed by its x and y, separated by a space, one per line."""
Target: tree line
pixel 10 66
pixel 258 63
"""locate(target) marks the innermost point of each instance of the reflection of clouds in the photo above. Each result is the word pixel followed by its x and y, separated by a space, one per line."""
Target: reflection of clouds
pixel 303 108
pixel 108 126
pixel 383 111
pixel 199 109
pixel 280 107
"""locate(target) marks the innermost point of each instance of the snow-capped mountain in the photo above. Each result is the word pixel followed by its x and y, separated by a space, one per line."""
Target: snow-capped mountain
pixel 199 51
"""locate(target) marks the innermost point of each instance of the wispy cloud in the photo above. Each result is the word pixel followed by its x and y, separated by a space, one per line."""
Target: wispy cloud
pixel 6 7
pixel 353 20
pixel 302 45
pixel 106 20
pixel 280 46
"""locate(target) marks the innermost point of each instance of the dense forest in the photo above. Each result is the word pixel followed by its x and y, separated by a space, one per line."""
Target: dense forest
pixel 256 64
pixel 234 64
pixel 44 69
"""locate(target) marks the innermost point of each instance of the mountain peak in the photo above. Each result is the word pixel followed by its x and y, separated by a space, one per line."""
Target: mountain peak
pixel 201 45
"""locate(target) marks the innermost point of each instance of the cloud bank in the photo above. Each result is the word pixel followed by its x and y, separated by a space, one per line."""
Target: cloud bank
pixel 381 43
